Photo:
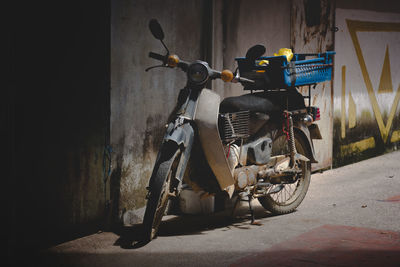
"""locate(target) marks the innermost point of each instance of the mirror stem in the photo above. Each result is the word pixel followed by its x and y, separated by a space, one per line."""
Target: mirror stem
pixel 165 47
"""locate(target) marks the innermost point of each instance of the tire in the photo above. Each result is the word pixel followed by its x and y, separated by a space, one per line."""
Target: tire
pixel 291 196
pixel 160 187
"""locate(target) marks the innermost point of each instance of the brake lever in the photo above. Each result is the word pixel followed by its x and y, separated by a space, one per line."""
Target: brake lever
pixel 237 79
pixel 153 67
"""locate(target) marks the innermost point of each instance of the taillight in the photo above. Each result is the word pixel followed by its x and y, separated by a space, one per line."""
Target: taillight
pixel 318 115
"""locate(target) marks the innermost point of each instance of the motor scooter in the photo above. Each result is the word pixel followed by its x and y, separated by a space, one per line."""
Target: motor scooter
pixel 254 146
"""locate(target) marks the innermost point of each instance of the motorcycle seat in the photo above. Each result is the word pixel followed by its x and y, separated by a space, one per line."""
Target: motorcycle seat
pixel 250 102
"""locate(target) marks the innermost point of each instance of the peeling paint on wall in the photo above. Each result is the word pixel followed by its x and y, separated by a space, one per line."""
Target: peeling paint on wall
pixel 312 24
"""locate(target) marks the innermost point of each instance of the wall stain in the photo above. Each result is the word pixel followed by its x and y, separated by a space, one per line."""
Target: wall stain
pixel 115 186
pixel 365 128
pixel 318 23
pixel 313 13
pixel 133 166
pixel 153 135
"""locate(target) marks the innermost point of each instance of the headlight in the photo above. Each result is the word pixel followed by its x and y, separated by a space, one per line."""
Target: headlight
pixel 198 73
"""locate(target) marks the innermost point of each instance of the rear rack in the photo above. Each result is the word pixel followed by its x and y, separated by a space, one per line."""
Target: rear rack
pixel 280 73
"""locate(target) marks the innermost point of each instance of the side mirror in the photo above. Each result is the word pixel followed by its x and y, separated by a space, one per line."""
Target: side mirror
pixel 255 52
pixel 156 29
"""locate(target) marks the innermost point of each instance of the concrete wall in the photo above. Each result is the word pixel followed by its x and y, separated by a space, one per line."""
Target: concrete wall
pixel 59 62
pixel 240 24
pixel 141 101
pixel 367 84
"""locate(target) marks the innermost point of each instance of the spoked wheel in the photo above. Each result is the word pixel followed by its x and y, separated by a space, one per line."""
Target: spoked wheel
pixel 161 187
pixel 288 196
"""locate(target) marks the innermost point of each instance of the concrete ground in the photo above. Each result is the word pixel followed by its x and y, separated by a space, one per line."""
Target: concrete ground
pixel 350 217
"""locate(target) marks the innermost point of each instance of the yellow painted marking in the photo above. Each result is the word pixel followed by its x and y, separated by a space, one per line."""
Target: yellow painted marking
pixel 366 26
pixel 352 112
pixel 385 83
pixel 395 136
pixel 357 147
pixel 343 105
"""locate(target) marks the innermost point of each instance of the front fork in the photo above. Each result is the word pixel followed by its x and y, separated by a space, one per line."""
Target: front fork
pixel 180 131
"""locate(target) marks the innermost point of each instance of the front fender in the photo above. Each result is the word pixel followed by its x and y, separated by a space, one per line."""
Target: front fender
pixel 183 136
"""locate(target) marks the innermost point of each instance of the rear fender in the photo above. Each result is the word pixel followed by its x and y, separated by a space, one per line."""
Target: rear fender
pixel 303 131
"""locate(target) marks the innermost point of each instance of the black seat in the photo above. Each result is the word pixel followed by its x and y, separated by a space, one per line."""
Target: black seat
pixel 264 102
pixel 250 102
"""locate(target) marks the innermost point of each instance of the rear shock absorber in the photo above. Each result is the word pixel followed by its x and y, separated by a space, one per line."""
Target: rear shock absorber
pixel 290 136
pixel 292 144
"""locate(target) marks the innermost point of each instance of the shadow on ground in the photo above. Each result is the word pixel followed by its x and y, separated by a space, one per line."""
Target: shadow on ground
pixel 130 237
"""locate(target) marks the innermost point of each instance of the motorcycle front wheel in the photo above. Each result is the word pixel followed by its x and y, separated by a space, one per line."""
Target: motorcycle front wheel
pixel 291 195
pixel 161 187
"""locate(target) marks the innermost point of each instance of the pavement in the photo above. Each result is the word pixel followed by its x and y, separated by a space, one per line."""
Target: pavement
pixel 350 217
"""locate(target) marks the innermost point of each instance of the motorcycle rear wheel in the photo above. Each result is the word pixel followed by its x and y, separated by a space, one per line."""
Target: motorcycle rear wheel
pixel 160 189
pixel 290 197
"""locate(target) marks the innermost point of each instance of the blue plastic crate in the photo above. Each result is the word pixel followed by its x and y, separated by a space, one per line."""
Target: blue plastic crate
pixel 280 73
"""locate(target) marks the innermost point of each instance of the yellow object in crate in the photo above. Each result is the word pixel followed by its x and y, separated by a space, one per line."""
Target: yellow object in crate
pixel 262 63
pixel 285 52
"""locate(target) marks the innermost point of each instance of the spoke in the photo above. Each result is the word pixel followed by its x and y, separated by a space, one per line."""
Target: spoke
pixel 286 192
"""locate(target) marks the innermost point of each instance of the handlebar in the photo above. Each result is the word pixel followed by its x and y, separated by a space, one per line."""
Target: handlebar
pixel 174 61
pixel 157 56
pixel 241 79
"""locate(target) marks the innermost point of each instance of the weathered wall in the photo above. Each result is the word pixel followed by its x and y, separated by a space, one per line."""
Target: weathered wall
pixel 312 23
pixel 367 84
pixel 141 101
pixel 240 24
pixel 60 68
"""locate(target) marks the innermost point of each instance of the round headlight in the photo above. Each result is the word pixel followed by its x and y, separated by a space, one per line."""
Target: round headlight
pixel 198 73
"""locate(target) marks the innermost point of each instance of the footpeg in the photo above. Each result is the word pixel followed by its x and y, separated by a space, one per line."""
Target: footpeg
pixel 298 156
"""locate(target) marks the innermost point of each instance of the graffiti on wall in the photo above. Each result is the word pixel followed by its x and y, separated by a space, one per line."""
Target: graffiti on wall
pixel 367 89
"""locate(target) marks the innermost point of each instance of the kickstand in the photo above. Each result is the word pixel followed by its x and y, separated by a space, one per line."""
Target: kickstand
pixel 253 221
pixel 249 199
pixel 251 210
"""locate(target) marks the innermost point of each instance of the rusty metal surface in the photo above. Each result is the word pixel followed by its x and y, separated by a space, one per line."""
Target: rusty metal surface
pixel 312 25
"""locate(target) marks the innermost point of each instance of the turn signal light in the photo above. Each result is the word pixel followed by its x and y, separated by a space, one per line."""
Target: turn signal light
pixel 173 61
pixel 226 75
